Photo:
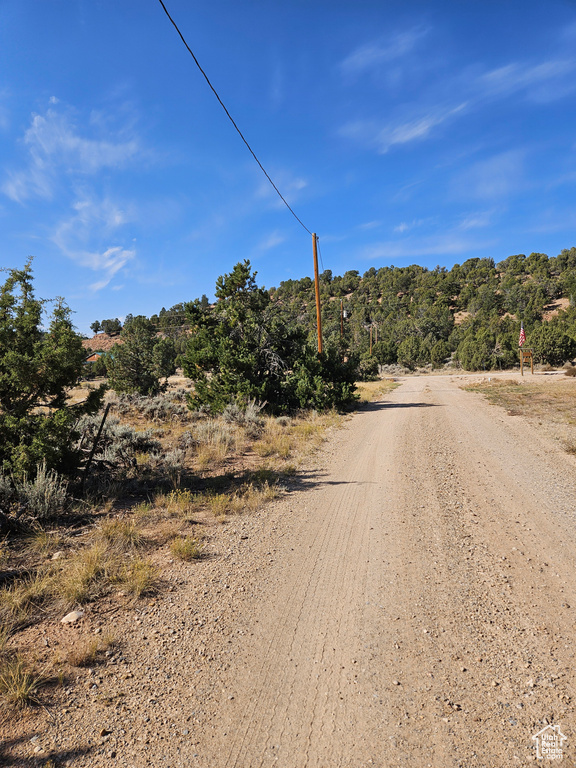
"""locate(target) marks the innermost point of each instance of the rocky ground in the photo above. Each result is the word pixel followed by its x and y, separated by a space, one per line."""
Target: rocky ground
pixel 409 601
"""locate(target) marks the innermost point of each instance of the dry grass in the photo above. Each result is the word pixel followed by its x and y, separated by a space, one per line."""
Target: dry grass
pixel 219 504
pixel 178 503
pixel 87 574
pixel 19 684
pixel 4 554
pixel 186 548
pixel 5 633
pixel 142 510
pixel 22 598
pixel 84 654
pixel 139 578
pixel 120 534
pixel 283 439
pixel 46 543
pixel 215 441
pixel 261 487
pixel 552 401
pixel 95 569
pixel 277 439
pixel 552 405
pixel 88 651
pixel 370 391
pixel 250 497
pixel 210 455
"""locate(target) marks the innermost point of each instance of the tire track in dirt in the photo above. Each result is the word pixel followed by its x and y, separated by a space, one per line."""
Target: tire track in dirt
pixel 330 582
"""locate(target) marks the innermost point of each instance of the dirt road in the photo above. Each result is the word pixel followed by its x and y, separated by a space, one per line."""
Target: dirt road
pixel 411 603
pixel 421 604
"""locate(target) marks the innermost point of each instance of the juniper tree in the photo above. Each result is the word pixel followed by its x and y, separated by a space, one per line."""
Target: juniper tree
pixel 246 348
pixel 138 364
pixel 37 368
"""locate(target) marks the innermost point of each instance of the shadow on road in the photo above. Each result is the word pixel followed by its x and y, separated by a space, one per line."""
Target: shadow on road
pixel 379 406
pixel 10 754
pixel 307 480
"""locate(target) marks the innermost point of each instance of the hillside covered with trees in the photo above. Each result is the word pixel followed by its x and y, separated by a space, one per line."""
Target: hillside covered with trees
pixel 468 316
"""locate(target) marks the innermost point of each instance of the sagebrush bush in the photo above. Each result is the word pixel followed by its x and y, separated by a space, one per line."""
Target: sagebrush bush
pixel 243 414
pixel 187 442
pixel 571 371
pixel 215 432
pixel 163 407
pixel 119 443
pixel 45 496
pixel 174 465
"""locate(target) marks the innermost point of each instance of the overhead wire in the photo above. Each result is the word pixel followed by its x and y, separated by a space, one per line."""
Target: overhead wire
pixel 319 252
pixel 231 119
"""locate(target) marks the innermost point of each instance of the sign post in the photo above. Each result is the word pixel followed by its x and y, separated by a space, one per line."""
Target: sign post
pixel 525 355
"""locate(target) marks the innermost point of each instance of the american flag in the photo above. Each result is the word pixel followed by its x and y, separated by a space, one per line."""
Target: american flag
pixel 522 338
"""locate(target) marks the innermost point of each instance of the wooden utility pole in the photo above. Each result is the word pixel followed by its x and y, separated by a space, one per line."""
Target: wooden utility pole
pixel 371 339
pixel 317 286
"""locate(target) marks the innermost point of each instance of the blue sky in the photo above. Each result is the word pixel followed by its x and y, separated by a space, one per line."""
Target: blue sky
pixel 401 132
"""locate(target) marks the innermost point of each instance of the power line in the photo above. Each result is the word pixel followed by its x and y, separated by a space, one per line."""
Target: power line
pixel 231 119
pixel 319 252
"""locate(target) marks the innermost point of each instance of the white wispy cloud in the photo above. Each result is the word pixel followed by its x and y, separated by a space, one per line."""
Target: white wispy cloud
pixel 384 137
pixel 374 54
pixel 85 238
pixel 554 74
pixel 56 148
pixel 543 81
pixel 273 240
pixel 476 220
pixel 451 244
pixel 407 226
pixel 370 224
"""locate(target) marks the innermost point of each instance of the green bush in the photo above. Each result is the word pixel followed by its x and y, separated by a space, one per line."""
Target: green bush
pixel 410 352
pixel 368 368
pixel 246 350
pixel 439 353
pixel 551 345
